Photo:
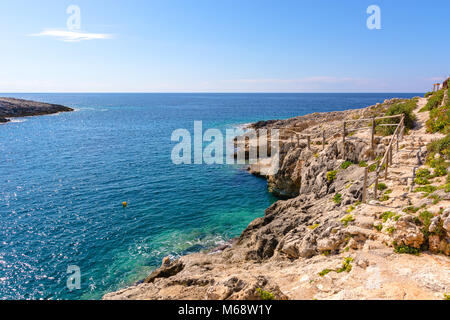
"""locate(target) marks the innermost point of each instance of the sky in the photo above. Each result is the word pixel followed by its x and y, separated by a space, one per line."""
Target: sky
pixel 223 46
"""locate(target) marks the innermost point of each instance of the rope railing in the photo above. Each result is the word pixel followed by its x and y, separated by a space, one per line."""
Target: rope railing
pixel 385 162
pixel 345 130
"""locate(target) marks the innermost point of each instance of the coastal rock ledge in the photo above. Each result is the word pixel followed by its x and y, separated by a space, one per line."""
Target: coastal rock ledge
pixel 322 241
pixel 16 108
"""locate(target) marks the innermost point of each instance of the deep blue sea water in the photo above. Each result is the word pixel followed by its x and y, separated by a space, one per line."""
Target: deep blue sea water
pixel 63 179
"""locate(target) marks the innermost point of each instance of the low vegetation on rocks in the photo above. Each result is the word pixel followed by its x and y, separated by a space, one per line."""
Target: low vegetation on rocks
pixel 434 101
pixel 439 107
pixel 405 107
pixel 346 267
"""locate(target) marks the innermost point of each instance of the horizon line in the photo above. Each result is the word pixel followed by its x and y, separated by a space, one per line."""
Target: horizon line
pixel 202 92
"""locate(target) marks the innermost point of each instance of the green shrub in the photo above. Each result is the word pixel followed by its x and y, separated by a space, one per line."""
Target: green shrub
pixel 423 173
pixel 324 272
pixel 421 181
pixel 265 295
pixel 406 250
pixel 425 217
pixel 331 175
pixel 384 198
pixel 411 209
pixel 447 187
pixel 441 147
pixel 387 215
pixel 346 164
pixel 405 107
pixel 373 167
pixel 427 189
pixel 382 186
pixel 347 219
pixel 337 198
pixel 435 197
pixel 363 164
pixel 314 226
pixel 440 171
pixel 439 120
pixel 391 230
pixel 434 101
pixel 346 266
pixel 436 162
pixel 428 94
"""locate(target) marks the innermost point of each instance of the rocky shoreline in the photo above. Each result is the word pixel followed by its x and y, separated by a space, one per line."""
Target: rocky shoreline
pixel 15 108
pixel 321 241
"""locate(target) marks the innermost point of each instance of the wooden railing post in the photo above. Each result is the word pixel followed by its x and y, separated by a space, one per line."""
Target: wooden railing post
pixel 343 140
pixel 386 165
pixel 372 144
pixel 402 132
pixel 308 139
pixel 398 133
pixel 375 191
pixel 390 156
pixel 323 140
pixel 413 178
pixel 364 195
pixel 375 187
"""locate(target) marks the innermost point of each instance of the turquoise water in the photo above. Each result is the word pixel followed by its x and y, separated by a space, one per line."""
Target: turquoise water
pixel 63 179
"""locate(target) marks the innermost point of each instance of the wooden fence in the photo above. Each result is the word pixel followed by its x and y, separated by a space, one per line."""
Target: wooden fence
pixel 381 165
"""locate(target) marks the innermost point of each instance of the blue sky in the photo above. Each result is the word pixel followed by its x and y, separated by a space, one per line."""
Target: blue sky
pixel 224 46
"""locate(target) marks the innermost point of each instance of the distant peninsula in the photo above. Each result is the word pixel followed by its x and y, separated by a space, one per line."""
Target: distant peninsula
pixel 14 108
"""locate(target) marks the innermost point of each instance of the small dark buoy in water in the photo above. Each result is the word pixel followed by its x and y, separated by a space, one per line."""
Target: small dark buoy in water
pixel 124 204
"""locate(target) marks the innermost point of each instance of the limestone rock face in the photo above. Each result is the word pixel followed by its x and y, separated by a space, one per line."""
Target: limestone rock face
pixel 249 288
pixel 439 238
pixel 446 221
pixel 408 233
pixel 286 182
pixel 167 270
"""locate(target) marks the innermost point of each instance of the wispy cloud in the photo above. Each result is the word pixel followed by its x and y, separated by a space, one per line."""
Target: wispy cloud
pixel 307 80
pixel 436 79
pixel 72 36
pixel 305 84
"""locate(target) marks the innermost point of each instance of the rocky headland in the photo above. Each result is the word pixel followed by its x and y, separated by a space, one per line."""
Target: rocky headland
pixel 15 108
pixel 321 241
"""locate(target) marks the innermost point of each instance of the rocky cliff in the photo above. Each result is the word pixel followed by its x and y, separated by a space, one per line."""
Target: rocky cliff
pixel 13 108
pixel 322 242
